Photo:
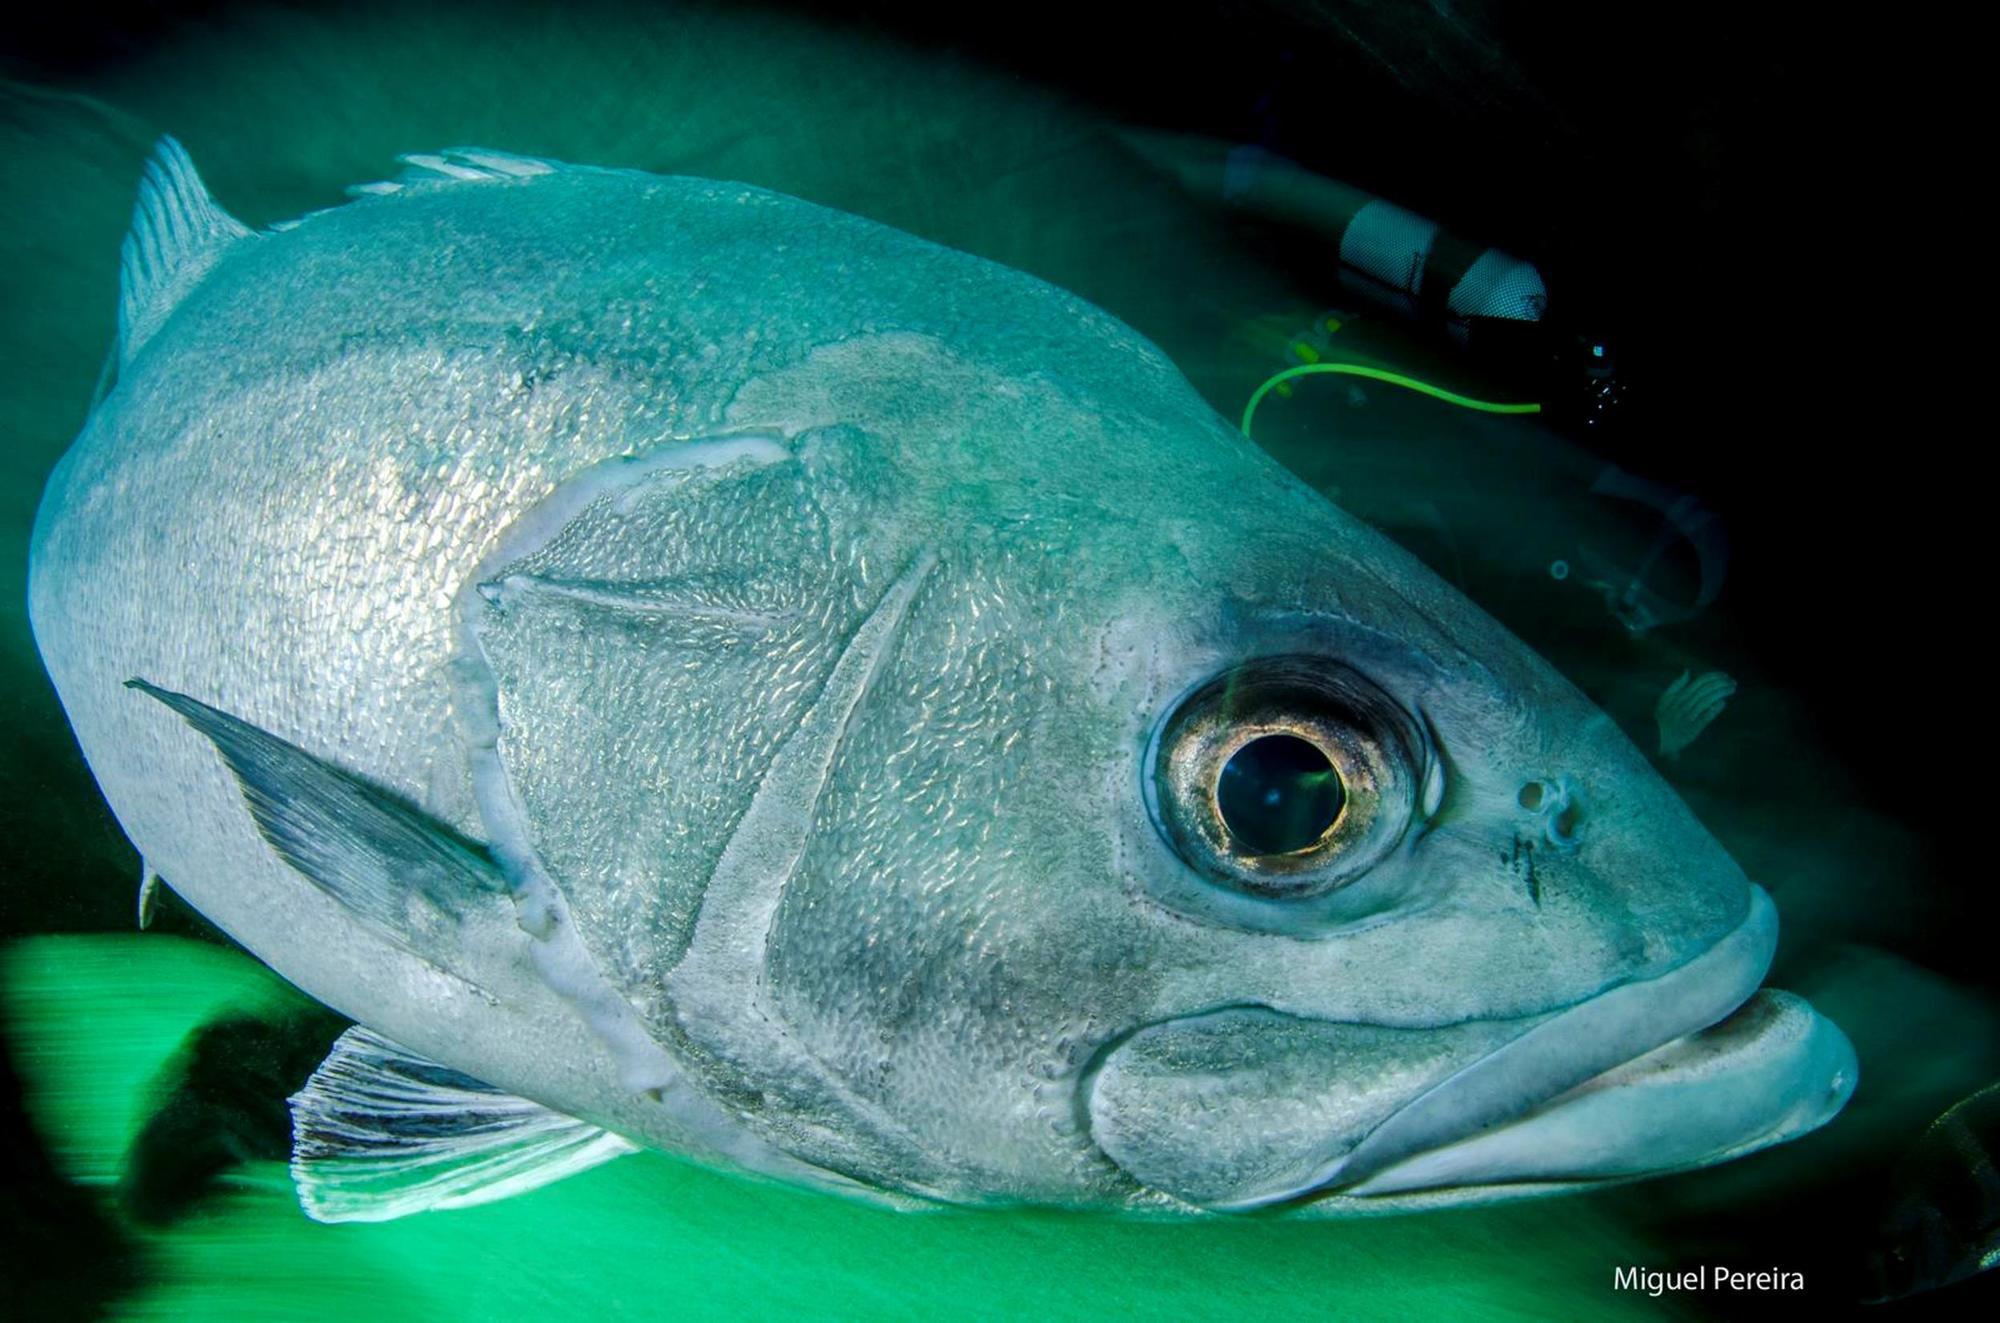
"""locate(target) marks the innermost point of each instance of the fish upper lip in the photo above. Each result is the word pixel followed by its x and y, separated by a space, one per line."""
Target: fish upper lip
pixel 1563 1052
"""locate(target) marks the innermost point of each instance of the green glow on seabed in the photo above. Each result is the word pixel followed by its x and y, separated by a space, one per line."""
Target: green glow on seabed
pixel 1376 374
pixel 95 1019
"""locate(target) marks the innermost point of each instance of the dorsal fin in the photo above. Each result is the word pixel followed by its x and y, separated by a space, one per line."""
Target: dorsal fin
pixel 178 233
pixel 454 165
pixel 457 165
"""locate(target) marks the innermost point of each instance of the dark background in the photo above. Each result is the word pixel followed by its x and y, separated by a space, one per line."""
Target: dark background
pixel 1766 212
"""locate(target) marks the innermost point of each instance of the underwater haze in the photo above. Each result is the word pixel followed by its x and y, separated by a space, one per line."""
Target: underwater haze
pixel 1750 563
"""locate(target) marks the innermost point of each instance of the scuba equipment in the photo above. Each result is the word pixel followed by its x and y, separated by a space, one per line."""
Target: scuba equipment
pixel 1489 303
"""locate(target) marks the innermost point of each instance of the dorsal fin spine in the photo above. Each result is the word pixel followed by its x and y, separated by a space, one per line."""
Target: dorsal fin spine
pixel 178 233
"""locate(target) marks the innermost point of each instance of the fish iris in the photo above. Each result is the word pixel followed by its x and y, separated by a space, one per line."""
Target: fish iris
pixel 1278 794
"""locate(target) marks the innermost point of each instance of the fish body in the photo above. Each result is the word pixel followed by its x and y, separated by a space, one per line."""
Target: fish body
pixel 687 668
pixel 1943 1225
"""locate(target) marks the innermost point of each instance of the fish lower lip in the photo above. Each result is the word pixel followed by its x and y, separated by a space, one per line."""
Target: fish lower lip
pixel 1770 1071
pixel 1595 1039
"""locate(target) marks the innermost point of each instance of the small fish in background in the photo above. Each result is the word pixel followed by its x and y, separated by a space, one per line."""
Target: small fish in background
pixel 1632 596
pixel 1944 1225
pixel 1689 706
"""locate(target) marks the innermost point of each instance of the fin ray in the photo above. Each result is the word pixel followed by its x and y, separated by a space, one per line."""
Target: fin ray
pixel 460 165
pixel 149 893
pixel 380 1132
pixel 178 233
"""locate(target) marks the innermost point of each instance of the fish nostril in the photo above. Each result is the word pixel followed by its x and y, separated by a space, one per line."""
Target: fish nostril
pixel 1559 804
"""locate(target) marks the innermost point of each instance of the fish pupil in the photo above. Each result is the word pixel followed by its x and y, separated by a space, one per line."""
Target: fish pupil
pixel 1278 794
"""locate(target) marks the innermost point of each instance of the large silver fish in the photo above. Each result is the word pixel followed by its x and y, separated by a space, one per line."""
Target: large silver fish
pixel 684 667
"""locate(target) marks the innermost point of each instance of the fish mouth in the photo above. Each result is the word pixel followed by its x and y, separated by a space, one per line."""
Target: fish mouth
pixel 1683 1070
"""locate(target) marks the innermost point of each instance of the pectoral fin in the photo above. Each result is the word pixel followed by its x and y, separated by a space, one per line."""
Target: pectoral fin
pixel 387 861
pixel 379 1132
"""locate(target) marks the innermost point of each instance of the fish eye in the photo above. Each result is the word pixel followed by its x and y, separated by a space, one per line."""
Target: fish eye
pixel 1279 794
pixel 1285 777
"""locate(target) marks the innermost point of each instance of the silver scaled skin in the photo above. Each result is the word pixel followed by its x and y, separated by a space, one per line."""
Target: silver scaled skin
pixel 808 622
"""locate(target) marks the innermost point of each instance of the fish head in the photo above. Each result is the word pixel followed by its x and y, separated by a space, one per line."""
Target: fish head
pixel 1133 827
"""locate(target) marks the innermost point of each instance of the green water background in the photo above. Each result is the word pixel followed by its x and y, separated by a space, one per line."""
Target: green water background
pixel 1677 207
